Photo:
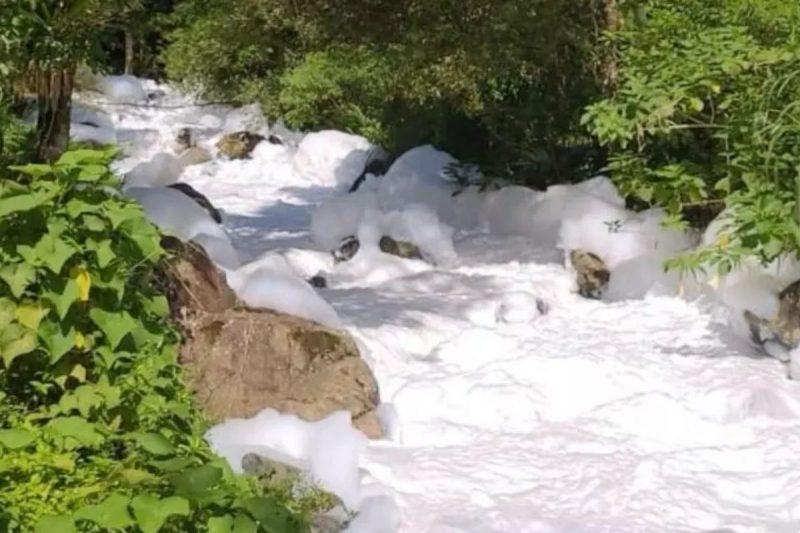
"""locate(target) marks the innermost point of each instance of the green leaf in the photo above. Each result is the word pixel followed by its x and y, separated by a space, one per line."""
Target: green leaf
pixel 220 524
pixel 105 254
pixel 51 251
pixel 20 203
pixel 14 439
pixel 196 482
pixel 154 443
pixel 77 428
pixel 172 465
pixel 244 524
pixel 8 311
pixel 270 514
pixel 55 523
pixel 94 223
pixel 134 476
pixel 113 325
pixel 15 341
pixel 77 207
pixel 82 157
pixel 151 512
pixel 31 314
pixel 18 276
pixel 119 213
pixel 57 342
pixel 112 513
pixel 144 234
pixel 65 293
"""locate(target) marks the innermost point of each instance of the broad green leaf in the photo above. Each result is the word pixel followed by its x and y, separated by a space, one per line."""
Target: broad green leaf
pixel 31 314
pixel 113 325
pixel 94 223
pixel 112 513
pixel 144 234
pixel 18 276
pixel 57 342
pixel 270 514
pixel 77 207
pixel 51 251
pixel 82 157
pixel 14 439
pixel 8 311
pixel 196 482
pixel 119 213
pixel 34 170
pixel 77 428
pixel 244 524
pixel 15 341
pixel 151 512
pixel 55 523
pixel 154 443
pixel 20 203
pixel 105 254
pixel 136 477
pixel 220 524
pixel 172 465
pixel 65 293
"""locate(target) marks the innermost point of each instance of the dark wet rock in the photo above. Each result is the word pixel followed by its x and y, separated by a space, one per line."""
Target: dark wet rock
pixel 185 139
pixel 542 306
pixel 239 145
pixel 318 282
pixel 404 249
pixel 348 248
pixel 377 164
pixel 591 273
pixel 198 197
pixel 784 329
pixel 274 139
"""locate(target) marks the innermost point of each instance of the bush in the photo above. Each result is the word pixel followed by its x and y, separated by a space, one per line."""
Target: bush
pixel 707 112
pixel 97 429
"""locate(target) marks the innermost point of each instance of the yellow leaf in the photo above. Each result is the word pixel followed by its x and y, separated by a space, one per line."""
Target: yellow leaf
pixel 31 314
pixel 723 241
pixel 79 373
pixel 64 462
pixel 80 340
pixel 84 281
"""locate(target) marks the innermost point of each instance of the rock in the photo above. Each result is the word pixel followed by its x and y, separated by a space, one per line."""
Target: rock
pixel 318 282
pixel 347 249
pixel 406 250
pixel 786 327
pixel 274 139
pixel 377 164
pixel 239 145
pixel 591 273
pixel 191 281
pixel 334 520
pixel 242 361
pixel 185 139
pixel 194 156
pixel 198 197
pixel 269 470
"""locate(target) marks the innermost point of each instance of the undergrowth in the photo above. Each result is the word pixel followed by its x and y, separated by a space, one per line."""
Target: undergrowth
pixel 98 432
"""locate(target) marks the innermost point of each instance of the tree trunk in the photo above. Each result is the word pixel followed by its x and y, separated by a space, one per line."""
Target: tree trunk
pixel 608 17
pixel 130 52
pixel 54 93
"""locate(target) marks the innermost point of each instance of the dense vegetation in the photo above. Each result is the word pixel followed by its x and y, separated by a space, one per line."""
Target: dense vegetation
pixel 97 429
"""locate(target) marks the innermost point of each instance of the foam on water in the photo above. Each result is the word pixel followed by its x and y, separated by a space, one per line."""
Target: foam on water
pixel 644 414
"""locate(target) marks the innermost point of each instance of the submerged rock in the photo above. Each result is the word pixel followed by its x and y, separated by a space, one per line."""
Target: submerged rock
pixel 786 327
pixel 239 145
pixel 404 249
pixel 198 197
pixel 591 272
pixel 318 282
pixel 194 156
pixel 348 248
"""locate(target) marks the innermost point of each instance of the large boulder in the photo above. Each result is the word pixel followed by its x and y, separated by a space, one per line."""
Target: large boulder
pixel 240 361
pixel 239 145
pixel 244 360
pixel 404 249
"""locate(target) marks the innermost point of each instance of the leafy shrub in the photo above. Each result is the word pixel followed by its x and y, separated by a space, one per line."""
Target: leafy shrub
pixel 97 429
pixel 706 112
